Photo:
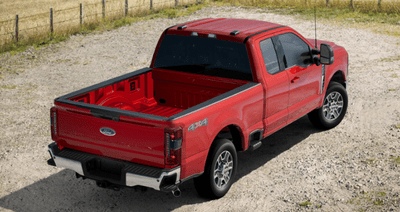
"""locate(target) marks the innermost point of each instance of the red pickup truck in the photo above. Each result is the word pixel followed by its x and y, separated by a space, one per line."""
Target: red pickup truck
pixel 214 87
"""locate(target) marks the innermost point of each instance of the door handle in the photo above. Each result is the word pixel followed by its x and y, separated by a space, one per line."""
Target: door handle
pixel 295 79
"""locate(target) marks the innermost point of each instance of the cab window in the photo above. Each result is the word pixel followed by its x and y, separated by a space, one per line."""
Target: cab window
pixel 269 55
pixel 296 51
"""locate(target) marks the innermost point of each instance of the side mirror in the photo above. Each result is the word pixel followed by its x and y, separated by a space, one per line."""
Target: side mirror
pixel 326 54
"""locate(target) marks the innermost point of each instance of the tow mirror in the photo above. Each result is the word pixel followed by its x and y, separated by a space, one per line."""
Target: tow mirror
pixel 326 54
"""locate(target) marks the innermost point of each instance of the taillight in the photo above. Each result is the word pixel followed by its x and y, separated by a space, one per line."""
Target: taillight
pixel 173 146
pixel 53 123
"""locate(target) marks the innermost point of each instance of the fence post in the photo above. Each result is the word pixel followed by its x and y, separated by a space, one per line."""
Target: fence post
pixel 81 14
pixel 352 4
pixel 16 27
pixel 104 8
pixel 51 20
pixel 327 3
pixel 126 7
pixel 379 4
pixel 176 3
pixel 151 4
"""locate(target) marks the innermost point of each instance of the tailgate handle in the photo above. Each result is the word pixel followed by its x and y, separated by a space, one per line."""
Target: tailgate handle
pixel 105 114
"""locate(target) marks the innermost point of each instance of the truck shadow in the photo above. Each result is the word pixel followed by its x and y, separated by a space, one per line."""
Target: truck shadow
pixel 62 192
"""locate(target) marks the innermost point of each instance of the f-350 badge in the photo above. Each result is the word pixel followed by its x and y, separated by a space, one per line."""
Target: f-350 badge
pixel 194 126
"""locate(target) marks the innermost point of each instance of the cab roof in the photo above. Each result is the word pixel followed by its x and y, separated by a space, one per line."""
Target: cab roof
pixel 238 30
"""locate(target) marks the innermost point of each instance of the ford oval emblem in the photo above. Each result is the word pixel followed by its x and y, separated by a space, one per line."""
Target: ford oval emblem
pixel 107 131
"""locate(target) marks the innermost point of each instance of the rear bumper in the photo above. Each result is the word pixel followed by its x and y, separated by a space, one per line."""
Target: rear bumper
pixel 121 173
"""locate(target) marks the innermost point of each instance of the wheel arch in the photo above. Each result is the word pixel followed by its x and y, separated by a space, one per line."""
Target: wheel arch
pixel 339 77
pixel 233 133
pixel 237 137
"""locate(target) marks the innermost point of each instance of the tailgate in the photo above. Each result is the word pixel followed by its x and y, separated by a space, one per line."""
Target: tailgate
pixel 116 139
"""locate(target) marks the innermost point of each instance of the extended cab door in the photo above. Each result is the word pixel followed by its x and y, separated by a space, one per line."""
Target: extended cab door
pixel 304 76
pixel 276 85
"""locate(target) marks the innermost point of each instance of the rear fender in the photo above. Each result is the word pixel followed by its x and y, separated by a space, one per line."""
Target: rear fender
pixel 236 136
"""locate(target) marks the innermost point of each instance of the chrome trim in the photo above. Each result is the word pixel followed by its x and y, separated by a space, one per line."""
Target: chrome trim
pixel 322 79
pixel 107 131
pixel 131 179
pixel 67 163
pixel 151 182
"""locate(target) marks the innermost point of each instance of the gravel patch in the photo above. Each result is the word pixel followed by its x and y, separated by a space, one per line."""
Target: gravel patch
pixel 354 166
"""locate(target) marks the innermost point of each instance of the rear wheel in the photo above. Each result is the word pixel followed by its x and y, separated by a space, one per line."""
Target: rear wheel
pixel 219 171
pixel 333 109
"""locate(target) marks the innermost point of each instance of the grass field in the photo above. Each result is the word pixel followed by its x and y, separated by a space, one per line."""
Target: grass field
pixel 365 6
pixel 34 15
pixel 9 8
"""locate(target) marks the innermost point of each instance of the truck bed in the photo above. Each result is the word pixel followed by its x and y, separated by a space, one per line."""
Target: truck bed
pixel 135 102
pixel 158 92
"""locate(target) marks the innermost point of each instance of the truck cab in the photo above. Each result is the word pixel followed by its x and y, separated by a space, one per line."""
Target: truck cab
pixel 214 87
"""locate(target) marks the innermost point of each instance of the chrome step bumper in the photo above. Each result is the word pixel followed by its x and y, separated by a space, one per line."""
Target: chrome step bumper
pixel 117 172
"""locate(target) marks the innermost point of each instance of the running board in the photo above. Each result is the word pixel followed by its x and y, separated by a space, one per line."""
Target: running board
pixel 254 145
pixel 255 138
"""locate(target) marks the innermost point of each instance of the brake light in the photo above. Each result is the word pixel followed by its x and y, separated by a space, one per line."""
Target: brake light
pixel 53 123
pixel 173 146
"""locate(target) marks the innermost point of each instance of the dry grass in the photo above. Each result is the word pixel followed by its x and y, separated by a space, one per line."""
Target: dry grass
pixel 34 16
pixel 366 6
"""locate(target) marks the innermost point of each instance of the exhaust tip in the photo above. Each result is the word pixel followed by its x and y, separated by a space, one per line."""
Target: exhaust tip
pixel 176 192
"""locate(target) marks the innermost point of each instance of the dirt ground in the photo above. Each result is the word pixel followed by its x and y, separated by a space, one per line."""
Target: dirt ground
pixel 354 166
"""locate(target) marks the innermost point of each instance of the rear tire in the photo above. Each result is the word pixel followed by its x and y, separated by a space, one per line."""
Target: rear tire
pixel 219 171
pixel 333 109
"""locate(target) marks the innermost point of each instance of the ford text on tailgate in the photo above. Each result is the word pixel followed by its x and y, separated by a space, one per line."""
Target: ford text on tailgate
pixel 209 92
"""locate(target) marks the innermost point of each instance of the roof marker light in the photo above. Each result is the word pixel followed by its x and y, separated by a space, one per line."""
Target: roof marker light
pixel 182 26
pixel 212 36
pixel 235 32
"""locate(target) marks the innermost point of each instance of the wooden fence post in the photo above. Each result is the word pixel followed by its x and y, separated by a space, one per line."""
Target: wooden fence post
pixel 51 20
pixel 352 4
pixel 16 27
pixel 104 8
pixel 81 14
pixel 126 7
pixel 379 4
pixel 151 4
pixel 327 3
pixel 176 3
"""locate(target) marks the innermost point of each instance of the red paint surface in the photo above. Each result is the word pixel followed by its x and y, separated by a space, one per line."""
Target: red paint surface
pixel 272 104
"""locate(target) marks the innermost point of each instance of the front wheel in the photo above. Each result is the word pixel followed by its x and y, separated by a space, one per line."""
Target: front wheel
pixel 219 171
pixel 333 109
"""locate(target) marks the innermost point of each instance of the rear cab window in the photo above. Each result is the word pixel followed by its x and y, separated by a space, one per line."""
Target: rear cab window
pixel 205 56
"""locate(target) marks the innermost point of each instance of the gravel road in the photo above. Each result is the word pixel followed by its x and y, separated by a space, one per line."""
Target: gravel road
pixel 351 167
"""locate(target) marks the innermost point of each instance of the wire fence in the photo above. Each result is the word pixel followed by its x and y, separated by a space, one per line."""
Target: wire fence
pixel 59 22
